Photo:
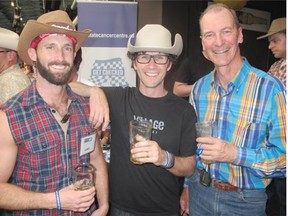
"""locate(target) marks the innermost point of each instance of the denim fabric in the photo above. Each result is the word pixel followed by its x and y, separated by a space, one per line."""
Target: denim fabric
pixel 213 202
pixel 117 212
pixel 276 192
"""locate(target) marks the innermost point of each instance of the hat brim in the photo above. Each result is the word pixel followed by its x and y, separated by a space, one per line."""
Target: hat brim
pixel 176 49
pixel 8 39
pixel 33 29
pixel 270 33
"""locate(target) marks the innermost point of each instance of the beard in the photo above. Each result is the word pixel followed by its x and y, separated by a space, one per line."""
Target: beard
pixel 54 78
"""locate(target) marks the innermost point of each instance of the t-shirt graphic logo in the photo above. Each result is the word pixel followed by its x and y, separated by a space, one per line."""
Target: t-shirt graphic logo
pixel 110 71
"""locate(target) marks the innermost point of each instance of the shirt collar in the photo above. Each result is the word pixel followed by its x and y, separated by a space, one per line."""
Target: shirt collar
pixel 34 97
pixel 238 79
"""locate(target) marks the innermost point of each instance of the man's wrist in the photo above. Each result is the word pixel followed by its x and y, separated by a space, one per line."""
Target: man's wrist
pixel 170 160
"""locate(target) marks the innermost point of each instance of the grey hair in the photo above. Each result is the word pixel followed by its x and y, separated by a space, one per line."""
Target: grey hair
pixel 219 7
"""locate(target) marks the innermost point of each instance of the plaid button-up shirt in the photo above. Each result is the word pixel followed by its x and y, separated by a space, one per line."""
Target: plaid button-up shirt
pixel 250 115
pixel 278 69
pixel 45 154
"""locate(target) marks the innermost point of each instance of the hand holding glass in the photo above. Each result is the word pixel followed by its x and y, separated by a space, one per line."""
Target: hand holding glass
pixel 139 130
pixel 84 174
pixel 206 129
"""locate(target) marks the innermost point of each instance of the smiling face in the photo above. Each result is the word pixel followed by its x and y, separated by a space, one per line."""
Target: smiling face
pixel 220 37
pixel 151 74
pixel 54 58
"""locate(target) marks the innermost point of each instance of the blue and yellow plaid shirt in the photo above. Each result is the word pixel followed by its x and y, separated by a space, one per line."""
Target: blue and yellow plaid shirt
pixel 251 115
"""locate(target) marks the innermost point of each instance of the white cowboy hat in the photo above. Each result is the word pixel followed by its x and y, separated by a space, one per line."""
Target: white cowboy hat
pixel 155 38
pixel 53 22
pixel 8 39
pixel 277 25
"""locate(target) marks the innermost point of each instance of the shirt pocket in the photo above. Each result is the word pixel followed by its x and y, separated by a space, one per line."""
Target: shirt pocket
pixel 44 155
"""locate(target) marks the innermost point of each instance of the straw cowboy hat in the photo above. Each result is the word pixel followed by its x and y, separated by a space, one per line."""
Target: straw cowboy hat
pixel 55 22
pixel 277 25
pixel 155 38
pixel 8 39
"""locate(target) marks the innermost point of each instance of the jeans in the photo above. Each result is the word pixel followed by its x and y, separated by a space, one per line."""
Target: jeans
pixel 117 212
pixel 213 202
pixel 276 203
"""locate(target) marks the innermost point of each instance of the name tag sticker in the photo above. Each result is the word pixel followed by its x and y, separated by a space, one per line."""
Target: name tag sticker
pixel 87 144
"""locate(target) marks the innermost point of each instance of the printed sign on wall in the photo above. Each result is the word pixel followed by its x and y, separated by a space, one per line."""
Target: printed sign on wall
pixel 104 53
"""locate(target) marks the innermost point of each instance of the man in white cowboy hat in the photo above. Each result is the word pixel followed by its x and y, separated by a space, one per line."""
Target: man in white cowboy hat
pixel 276 191
pixel 45 130
pixel 12 78
pixel 152 188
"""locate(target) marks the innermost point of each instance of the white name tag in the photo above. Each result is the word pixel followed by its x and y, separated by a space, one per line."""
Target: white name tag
pixel 87 144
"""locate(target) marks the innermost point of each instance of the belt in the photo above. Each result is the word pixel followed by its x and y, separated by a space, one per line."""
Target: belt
pixel 220 185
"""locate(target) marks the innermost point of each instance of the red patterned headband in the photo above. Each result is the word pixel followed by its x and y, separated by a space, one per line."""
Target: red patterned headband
pixel 40 37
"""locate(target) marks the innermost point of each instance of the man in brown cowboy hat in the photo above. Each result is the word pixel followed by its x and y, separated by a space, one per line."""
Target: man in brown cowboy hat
pixel 276 191
pixel 277 44
pixel 152 188
pixel 44 130
pixel 12 78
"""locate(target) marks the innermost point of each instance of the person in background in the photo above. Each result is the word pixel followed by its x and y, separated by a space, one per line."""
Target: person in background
pixel 250 147
pixel 45 129
pixel 12 78
pixel 277 44
pixel 276 203
pixel 154 187
pixel 76 65
pixel 187 75
pixel 28 70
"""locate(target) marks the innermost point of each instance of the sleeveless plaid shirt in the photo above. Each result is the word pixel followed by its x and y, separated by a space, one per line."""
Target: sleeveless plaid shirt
pixel 45 156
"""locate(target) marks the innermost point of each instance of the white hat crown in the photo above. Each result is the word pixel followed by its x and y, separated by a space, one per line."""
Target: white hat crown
pixel 156 38
pixel 8 39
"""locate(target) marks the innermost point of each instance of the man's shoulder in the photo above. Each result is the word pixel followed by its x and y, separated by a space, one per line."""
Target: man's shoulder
pixel 14 74
pixel 181 103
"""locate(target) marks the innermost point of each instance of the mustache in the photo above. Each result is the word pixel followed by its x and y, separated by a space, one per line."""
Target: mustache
pixel 62 63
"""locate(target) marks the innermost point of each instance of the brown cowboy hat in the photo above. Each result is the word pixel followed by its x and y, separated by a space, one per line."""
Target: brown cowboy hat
pixel 277 25
pixel 56 21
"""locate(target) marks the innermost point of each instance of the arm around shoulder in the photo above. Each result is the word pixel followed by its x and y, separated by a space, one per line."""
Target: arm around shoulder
pixel 99 107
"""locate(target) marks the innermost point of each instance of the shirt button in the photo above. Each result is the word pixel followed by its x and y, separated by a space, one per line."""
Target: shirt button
pixel 44 145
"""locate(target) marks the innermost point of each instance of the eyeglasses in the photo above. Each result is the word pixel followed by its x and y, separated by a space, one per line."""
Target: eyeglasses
pixel 158 59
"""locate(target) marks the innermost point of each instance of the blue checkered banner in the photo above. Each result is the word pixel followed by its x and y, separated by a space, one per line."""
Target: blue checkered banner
pixel 104 53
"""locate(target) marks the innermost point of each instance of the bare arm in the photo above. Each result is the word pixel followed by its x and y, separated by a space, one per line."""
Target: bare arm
pixel 182 89
pixel 101 180
pixel 14 197
pixel 99 108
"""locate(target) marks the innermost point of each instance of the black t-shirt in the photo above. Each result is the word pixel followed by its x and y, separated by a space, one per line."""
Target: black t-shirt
pixel 188 73
pixel 147 189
